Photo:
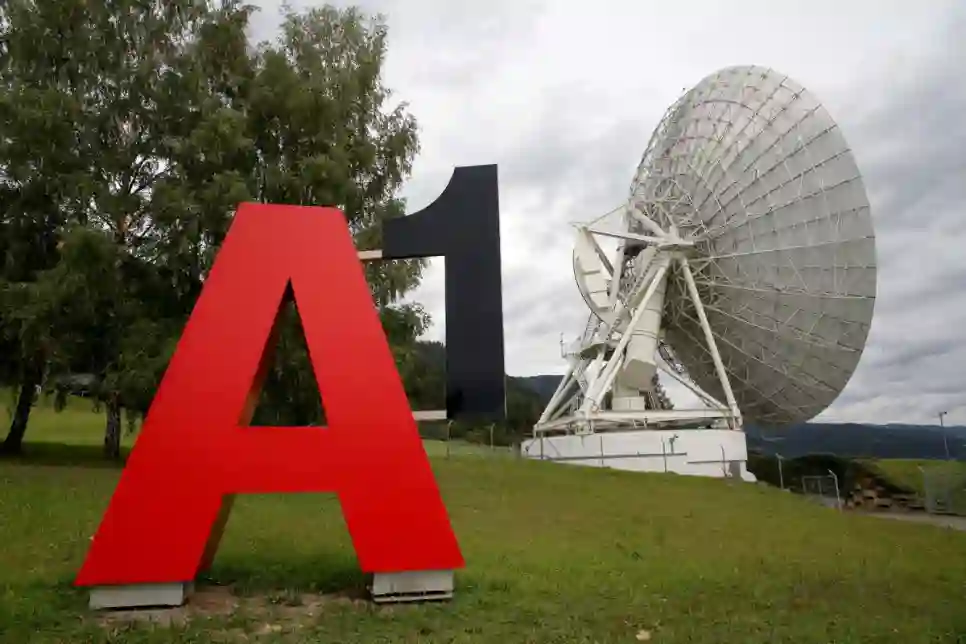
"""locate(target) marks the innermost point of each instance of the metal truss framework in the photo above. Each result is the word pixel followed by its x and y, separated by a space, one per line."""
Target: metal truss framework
pixel 579 403
pixel 750 199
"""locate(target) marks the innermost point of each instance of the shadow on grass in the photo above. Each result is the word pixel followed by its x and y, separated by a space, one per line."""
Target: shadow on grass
pixel 64 455
pixel 331 573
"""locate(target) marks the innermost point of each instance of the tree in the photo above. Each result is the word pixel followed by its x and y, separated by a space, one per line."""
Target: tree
pixel 302 120
pixel 133 129
pixel 425 379
pixel 87 104
pixel 35 177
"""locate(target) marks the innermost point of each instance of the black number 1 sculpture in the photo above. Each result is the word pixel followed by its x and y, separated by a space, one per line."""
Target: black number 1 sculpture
pixel 463 227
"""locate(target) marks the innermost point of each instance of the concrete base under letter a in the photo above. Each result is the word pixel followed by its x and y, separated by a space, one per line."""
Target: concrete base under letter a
pixel 140 595
pixel 411 586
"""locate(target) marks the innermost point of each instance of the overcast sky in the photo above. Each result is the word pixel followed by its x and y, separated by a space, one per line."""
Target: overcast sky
pixel 563 96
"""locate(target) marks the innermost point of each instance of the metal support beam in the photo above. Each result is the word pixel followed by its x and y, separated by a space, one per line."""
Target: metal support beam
pixel 610 371
pixel 643 417
pixel 709 338
pixel 647 222
pixel 628 236
pixel 425 415
pixel 370 255
pixel 691 387
pixel 562 388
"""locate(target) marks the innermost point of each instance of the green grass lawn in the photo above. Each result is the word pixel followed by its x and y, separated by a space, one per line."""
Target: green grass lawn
pixel 908 473
pixel 555 553
pixel 77 432
pixel 947 479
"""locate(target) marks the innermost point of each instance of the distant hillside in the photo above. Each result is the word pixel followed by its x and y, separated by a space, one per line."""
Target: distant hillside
pixel 426 387
pixel 543 386
pixel 850 440
pixel 858 440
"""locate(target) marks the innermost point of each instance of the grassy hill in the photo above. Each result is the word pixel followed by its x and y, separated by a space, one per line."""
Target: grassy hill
pixel 947 479
pixel 860 440
pixel 908 474
pixel 554 553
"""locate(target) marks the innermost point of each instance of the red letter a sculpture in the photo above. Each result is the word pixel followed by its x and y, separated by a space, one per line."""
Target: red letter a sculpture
pixel 195 449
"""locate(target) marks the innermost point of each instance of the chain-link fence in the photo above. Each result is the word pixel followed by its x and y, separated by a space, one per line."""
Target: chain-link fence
pixel 447 439
pixel 944 489
pixel 824 489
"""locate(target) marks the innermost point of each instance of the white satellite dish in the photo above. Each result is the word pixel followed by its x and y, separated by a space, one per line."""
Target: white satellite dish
pixel 745 268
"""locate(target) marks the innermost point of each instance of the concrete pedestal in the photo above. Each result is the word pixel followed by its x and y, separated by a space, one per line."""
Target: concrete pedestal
pixel 717 453
pixel 411 586
pixel 140 596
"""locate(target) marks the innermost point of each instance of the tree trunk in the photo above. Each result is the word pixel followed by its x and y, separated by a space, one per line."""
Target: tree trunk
pixel 13 443
pixel 112 429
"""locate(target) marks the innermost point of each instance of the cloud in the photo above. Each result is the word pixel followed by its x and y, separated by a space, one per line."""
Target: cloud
pixel 911 150
pixel 563 96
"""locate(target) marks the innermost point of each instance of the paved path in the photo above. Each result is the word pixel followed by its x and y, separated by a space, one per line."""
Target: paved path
pixel 956 523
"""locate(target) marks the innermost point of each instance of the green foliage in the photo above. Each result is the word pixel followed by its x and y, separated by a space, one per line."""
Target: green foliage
pixel 423 372
pixel 87 105
pixel 425 381
pixel 943 481
pixel 910 475
pixel 302 120
pixel 765 469
pixel 132 130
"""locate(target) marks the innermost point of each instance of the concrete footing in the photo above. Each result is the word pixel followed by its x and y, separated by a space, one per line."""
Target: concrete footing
pixel 717 453
pixel 411 586
pixel 140 596
pixel 384 588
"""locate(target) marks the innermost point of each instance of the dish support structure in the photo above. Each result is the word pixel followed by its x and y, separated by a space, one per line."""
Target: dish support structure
pixel 609 409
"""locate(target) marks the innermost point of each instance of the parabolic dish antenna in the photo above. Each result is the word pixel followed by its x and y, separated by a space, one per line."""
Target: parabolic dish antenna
pixel 745 268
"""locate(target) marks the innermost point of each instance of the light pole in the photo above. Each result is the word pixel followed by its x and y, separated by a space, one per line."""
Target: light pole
pixel 838 496
pixel 781 474
pixel 942 425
